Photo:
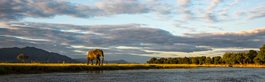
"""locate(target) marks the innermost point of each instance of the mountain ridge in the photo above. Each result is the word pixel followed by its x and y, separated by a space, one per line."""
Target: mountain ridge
pixel 35 55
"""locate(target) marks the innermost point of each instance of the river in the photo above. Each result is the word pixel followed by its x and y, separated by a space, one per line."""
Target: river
pixel 150 75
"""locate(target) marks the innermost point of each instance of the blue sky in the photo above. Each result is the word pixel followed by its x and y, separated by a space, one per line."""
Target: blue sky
pixel 149 28
pixel 230 23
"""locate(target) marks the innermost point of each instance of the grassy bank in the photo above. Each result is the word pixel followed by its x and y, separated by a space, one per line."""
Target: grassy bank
pixel 28 68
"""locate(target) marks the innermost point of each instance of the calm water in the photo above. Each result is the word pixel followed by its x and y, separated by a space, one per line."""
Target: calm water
pixel 152 75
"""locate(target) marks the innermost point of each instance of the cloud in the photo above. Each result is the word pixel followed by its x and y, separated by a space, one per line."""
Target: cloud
pixel 246 39
pixel 184 8
pixel 13 10
pixel 129 39
pixel 115 39
pixel 209 53
pixel 209 15
pixel 127 47
pixel 257 12
pixel 122 6
pixel 180 47
pixel 5 25
pixel 17 10
pixel 184 3
pixel 225 10
pixel 256 31
pixel 24 38
pixel 231 12
pixel 213 4
pixel 210 12
pixel 161 8
pixel 86 47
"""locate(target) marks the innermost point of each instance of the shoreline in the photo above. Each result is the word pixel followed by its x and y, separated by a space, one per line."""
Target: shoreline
pixel 32 68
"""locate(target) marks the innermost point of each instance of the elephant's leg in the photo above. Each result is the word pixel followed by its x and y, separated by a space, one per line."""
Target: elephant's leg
pixel 88 62
pixel 91 62
pixel 98 61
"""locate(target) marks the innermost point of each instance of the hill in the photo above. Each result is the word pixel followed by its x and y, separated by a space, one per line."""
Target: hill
pixel 35 55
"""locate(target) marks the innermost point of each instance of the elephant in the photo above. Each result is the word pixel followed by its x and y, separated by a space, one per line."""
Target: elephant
pixel 95 54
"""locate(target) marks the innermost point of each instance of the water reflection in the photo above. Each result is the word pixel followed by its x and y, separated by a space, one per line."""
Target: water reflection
pixel 153 75
pixel 95 71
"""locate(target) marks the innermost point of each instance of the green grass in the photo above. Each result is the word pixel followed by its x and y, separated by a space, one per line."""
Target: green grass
pixel 25 68
pixel 29 68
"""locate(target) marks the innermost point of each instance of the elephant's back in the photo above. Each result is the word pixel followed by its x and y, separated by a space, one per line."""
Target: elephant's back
pixel 91 54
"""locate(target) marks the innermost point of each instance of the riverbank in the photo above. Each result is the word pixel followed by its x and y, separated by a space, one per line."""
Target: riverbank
pixel 29 68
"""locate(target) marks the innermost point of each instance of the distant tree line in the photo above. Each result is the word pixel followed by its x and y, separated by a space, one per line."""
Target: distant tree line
pixel 250 57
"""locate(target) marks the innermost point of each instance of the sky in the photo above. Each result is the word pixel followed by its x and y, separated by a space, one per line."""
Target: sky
pixel 134 30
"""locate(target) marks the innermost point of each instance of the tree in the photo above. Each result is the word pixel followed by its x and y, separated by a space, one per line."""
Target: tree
pixel 249 57
pixel 260 58
pixel 21 57
pixel 202 60
pixel 239 58
pixel 262 48
pixel 208 60
pixel 162 60
pixel 180 60
pixel 217 60
pixel 152 60
pixel 186 60
pixel 227 58
pixel 170 61
pixel 194 60
pixel 252 54
pixel 175 61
